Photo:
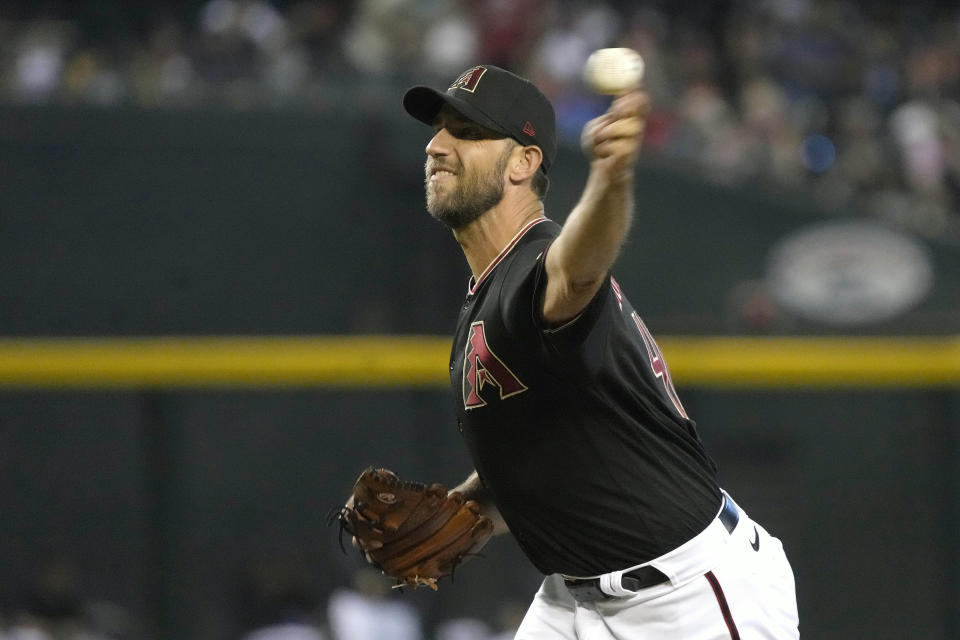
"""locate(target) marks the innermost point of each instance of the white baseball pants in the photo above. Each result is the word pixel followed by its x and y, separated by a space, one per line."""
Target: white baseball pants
pixel 720 588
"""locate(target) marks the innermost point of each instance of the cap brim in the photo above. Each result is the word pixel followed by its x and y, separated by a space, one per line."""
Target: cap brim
pixel 424 103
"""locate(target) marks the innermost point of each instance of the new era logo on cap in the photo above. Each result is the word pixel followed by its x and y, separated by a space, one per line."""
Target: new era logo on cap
pixel 497 99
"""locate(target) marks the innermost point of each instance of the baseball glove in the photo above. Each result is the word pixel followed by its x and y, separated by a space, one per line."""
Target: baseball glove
pixel 414 532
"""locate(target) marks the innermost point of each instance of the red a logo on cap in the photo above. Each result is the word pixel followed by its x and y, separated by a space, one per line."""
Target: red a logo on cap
pixel 469 79
pixel 528 129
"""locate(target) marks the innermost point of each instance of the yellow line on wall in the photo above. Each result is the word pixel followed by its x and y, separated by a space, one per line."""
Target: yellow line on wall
pixel 421 361
pixel 222 361
pixel 814 362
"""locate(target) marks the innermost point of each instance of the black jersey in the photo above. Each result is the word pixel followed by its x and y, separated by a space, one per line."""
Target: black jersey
pixel 577 431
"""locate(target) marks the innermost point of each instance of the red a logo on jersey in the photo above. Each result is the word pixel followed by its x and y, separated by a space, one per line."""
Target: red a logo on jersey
pixel 482 368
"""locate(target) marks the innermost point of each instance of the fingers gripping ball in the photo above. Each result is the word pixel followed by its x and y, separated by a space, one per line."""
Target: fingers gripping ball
pixel 414 532
pixel 613 71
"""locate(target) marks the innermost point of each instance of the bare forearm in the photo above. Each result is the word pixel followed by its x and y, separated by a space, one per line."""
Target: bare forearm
pixel 596 228
pixel 582 255
pixel 472 489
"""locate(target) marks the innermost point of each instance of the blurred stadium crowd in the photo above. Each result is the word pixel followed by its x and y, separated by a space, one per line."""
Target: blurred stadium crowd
pixel 852 103
pixel 274 599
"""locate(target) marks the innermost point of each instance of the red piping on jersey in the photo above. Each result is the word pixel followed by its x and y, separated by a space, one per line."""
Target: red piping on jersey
pixel 471 288
pixel 724 607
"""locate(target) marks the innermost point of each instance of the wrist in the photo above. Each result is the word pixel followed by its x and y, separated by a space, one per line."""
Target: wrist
pixel 603 174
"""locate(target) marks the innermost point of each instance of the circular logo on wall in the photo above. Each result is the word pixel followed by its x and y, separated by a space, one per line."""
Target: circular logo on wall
pixel 849 272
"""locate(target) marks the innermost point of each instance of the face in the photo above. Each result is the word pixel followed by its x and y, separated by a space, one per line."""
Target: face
pixel 464 169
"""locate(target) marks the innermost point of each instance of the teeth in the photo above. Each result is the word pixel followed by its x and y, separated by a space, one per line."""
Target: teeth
pixel 440 174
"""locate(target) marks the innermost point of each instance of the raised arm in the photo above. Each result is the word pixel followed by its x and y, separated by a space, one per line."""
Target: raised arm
pixel 473 489
pixel 581 256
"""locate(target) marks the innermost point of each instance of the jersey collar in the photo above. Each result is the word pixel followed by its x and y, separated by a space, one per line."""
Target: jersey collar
pixel 473 285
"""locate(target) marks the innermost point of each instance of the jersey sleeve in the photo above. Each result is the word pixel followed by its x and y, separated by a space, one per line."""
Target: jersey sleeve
pixel 578 344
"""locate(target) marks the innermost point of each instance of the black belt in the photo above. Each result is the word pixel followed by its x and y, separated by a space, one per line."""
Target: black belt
pixel 588 589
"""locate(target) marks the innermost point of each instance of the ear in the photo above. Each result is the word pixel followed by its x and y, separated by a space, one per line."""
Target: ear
pixel 523 164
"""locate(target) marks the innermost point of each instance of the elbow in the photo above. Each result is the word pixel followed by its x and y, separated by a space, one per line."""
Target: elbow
pixel 570 299
pixel 579 287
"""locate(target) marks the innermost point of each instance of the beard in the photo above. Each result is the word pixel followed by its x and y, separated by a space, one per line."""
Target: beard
pixel 473 195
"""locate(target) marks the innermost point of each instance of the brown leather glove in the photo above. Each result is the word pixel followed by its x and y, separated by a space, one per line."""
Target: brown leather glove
pixel 413 532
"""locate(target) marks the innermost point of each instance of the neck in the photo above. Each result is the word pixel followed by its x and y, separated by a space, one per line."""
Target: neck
pixel 483 239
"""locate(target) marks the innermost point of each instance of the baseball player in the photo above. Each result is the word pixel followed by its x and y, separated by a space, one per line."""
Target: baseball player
pixel 582 448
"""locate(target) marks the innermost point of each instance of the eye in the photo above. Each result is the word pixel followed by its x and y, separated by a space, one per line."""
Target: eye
pixel 470 133
pixel 462 131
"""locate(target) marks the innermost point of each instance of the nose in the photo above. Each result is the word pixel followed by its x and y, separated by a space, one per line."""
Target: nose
pixel 439 144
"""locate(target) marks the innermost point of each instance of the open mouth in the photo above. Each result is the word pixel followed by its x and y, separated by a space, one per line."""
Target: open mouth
pixel 441 174
pixel 437 172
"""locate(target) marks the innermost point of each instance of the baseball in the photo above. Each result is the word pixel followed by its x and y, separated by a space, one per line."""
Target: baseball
pixel 613 71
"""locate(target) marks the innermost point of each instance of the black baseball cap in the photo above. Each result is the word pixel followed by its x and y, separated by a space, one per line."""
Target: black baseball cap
pixel 497 99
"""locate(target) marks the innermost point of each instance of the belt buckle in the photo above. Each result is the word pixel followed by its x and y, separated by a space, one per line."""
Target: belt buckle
pixel 586 590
